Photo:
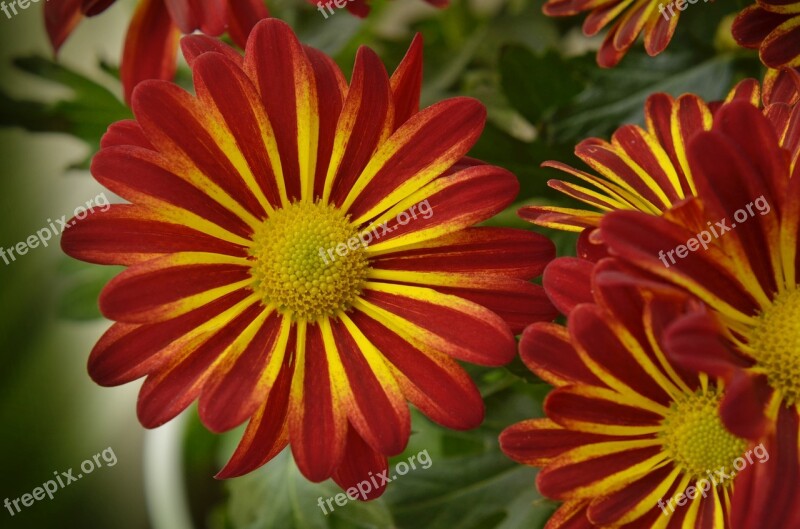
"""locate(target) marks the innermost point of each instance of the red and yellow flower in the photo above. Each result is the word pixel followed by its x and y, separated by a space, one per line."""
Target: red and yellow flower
pixel 633 17
pixel 640 169
pixel 773 28
pixel 749 278
pixel 231 296
pixel 629 435
pixel 151 44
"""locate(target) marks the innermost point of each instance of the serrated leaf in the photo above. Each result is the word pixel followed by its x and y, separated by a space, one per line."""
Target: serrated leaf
pixel 617 96
pixel 537 84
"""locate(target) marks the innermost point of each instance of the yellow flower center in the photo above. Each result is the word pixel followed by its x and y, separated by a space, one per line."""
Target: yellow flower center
pixel 694 437
pixel 302 264
pixel 776 341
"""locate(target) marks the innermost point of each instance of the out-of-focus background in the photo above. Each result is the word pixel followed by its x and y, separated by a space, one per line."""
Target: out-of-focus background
pixel 53 416
pixel 544 94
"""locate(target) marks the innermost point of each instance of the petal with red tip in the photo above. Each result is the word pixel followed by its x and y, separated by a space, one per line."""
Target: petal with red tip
pixel 430 380
pixel 150 46
pixel 448 324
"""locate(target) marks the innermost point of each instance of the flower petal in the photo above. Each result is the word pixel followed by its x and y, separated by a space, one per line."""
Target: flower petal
pixel 432 381
pixel 317 421
pixel 422 149
pixel 150 46
pixel 247 373
pixel 281 71
pixel 267 433
pixel 448 324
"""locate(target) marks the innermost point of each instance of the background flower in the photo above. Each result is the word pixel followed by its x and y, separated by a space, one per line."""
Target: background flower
pixel 747 277
pixel 773 28
pixel 627 430
pixel 152 39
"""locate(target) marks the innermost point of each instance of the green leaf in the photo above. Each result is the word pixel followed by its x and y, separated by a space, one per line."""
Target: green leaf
pixel 537 84
pixel 617 96
pixel 277 496
pixel 85 115
pixel 82 285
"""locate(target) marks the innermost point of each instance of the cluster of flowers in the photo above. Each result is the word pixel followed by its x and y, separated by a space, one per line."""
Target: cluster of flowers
pixel 660 374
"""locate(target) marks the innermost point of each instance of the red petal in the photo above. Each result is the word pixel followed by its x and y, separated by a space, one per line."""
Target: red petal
pixel 157 289
pixel 267 433
pixel 767 492
pixel 536 441
pixel 743 408
pixel 317 424
pixel 502 251
pixel 126 235
pixel 434 383
pixel 452 325
pixel 753 25
pixel 331 82
pixel 145 177
pixel 365 121
pixel 125 132
pixel 425 146
pixel 127 352
pixel 178 382
pixel 407 83
pixel 559 481
pixel 237 388
pixel 60 18
pixel 227 94
pixel 209 16
pixel 282 73
pixel 547 351
pixel 361 467
pixel 193 46
pixel 242 17
pixel 376 408
pixel 150 46
pixel 187 132
pixel 567 281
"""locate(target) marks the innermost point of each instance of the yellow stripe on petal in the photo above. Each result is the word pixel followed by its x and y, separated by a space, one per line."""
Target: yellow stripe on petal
pixel 615 481
pixel 648 502
pixel 624 395
pixel 680 146
pixel 276 357
pixel 340 386
pixel 216 127
pixel 376 361
pixel 307 127
pixel 168 212
pixel 595 450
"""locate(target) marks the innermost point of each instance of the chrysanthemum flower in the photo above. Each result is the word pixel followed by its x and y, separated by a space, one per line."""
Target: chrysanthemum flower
pixel 630 439
pixel 639 169
pixel 151 44
pixel 633 17
pixel 748 190
pixel 248 287
pixel 773 28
